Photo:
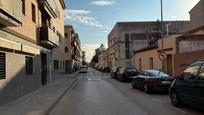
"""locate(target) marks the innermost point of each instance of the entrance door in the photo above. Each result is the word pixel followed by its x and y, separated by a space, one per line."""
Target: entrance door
pixel 44 68
pixel 169 65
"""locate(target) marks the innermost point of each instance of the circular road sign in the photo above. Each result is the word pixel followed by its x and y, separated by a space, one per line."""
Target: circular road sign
pixel 162 56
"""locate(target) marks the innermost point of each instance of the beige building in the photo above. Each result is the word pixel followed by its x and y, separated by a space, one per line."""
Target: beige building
pixel 30 30
pixel 126 37
pixel 103 58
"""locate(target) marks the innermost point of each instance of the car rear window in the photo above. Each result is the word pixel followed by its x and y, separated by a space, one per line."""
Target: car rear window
pixel 131 70
pixel 82 67
pixel 155 73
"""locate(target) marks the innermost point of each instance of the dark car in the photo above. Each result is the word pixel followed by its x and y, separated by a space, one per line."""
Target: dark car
pixel 152 80
pixel 114 72
pixel 107 69
pixel 189 87
pixel 126 73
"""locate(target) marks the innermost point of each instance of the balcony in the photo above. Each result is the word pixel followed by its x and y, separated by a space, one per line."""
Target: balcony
pixel 49 6
pixel 48 37
pixel 10 12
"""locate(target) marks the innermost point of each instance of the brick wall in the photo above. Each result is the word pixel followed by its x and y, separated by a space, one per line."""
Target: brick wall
pixel 183 60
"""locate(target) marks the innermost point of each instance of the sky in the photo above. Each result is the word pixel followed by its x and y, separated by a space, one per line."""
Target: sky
pixel 94 19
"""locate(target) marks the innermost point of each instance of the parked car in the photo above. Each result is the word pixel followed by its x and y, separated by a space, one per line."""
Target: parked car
pixel 83 69
pixel 107 69
pixel 96 66
pixel 102 69
pixel 152 80
pixel 114 72
pixel 126 73
pixel 189 87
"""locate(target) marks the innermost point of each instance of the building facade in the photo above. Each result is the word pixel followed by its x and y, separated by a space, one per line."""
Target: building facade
pixel 197 15
pixel 74 52
pixel 30 31
pixel 126 37
pixel 181 51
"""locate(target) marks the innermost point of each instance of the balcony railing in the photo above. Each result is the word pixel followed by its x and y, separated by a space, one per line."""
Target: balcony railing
pixel 48 37
pixel 51 6
pixel 10 12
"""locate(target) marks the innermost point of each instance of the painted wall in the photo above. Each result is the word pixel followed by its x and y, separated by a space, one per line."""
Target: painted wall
pixel 17 83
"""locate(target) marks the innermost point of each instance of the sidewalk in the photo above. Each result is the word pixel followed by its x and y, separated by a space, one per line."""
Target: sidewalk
pixel 40 101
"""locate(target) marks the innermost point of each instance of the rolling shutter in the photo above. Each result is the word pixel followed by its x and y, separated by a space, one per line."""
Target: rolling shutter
pixel 2 66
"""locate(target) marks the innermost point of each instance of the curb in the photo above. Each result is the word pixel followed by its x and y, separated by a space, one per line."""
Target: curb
pixel 59 98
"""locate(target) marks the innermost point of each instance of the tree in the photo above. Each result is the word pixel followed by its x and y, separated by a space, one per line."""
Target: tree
pixel 102 47
pixel 98 51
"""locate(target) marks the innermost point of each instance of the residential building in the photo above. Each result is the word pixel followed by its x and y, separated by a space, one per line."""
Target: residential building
pixel 30 31
pixel 197 15
pixel 74 53
pixel 102 58
pixel 181 51
pixel 126 37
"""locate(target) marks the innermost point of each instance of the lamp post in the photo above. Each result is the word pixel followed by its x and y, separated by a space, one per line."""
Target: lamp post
pixel 162 35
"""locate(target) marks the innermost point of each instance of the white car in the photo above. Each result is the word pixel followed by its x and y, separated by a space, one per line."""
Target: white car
pixel 83 69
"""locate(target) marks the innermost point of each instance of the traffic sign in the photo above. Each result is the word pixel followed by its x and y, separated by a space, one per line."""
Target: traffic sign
pixel 162 56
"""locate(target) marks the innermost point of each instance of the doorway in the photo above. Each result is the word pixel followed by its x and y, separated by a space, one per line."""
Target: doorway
pixel 169 65
pixel 44 68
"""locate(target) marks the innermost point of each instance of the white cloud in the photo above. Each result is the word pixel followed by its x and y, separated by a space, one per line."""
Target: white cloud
pixel 90 50
pixel 102 2
pixel 82 17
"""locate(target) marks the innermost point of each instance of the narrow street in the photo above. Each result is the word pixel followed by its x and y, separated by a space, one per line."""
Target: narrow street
pixel 96 93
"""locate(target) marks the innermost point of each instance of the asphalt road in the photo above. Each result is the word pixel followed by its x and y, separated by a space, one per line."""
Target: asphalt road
pixel 96 93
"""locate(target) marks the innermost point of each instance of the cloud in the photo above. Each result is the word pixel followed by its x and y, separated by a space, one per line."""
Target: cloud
pixel 102 2
pixel 82 17
pixel 90 50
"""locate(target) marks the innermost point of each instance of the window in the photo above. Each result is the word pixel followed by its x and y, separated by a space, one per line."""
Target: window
pixel 66 49
pixel 201 74
pixel 192 71
pixel 54 29
pixel 23 7
pixel 56 64
pixel 65 34
pixel 140 64
pixel 127 46
pixel 131 70
pixel 151 63
pixel 29 65
pixel 2 66
pixel 33 13
pixel 138 36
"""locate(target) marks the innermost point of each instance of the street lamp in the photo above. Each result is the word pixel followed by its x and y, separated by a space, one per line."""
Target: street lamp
pixel 162 35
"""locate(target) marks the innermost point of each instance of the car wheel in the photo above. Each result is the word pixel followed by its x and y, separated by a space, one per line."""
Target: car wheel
pixel 146 88
pixel 174 98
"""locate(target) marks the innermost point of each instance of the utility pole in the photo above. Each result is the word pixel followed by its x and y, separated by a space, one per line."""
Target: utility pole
pixel 162 34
